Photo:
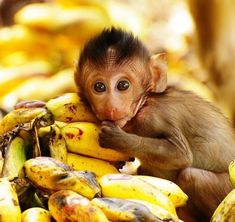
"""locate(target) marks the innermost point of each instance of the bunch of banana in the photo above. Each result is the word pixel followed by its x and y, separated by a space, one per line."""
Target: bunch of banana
pixel 36 214
pixel 9 204
pixel 130 187
pixel 117 209
pixel 66 205
pixel 51 175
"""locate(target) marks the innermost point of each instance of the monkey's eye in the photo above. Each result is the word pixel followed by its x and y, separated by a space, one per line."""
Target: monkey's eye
pixel 123 85
pixel 99 87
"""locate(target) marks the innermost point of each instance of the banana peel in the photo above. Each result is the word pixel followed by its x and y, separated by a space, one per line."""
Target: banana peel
pixel 51 175
pixel 170 189
pixel 129 187
pixel 9 203
pixel 70 108
pixel 66 205
pixel 97 166
pixel 82 138
pixel 16 155
pixel 36 214
pixel 117 209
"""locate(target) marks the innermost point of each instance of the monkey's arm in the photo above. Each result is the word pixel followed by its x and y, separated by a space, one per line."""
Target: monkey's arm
pixel 168 153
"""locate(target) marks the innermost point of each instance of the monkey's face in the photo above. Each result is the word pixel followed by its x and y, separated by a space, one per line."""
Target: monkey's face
pixel 114 93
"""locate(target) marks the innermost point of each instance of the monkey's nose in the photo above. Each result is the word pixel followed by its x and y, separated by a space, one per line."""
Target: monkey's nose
pixel 111 114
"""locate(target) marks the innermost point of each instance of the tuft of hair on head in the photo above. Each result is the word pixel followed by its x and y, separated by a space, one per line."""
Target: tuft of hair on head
pixel 124 44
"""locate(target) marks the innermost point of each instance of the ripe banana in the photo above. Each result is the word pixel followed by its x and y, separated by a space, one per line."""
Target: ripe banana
pixel 20 116
pixel 225 212
pixel 52 175
pixel 170 189
pixel 66 205
pixel 36 214
pixel 231 169
pixel 9 204
pixel 129 187
pixel 117 209
pixel 97 166
pixel 57 145
pixel 82 138
pixel 16 155
pixel 70 108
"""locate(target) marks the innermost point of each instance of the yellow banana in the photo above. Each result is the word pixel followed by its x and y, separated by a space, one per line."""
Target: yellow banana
pixel 23 39
pixel 82 138
pixel 50 174
pixel 36 214
pixel 70 108
pixel 66 205
pixel 117 209
pixel 9 204
pixel 129 187
pixel 97 166
pixel 231 169
pixel 31 89
pixel 57 145
pixel 20 116
pixel 225 212
pixel 158 211
pixel 170 189
pixel 16 155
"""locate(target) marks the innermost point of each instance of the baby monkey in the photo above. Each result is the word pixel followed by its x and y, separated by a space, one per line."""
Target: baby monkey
pixel 175 134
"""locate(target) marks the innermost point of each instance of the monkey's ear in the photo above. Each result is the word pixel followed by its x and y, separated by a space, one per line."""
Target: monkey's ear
pixel 158 69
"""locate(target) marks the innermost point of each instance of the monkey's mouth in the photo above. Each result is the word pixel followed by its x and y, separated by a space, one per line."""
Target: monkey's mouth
pixel 121 122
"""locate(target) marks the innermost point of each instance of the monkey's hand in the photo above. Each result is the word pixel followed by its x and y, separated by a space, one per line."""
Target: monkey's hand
pixel 112 136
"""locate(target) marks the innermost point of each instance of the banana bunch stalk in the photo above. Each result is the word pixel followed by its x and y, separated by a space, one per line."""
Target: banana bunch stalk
pixel 51 175
pixel 36 214
pixel 117 209
pixel 9 205
pixel 66 205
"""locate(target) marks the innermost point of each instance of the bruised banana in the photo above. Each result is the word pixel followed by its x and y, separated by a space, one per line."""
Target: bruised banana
pixel 97 166
pixel 170 189
pixel 20 116
pixel 36 214
pixel 129 187
pixel 66 205
pixel 70 108
pixel 231 169
pixel 82 138
pixel 16 155
pixel 9 204
pixel 117 209
pixel 57 145
pixel 52 175
pixel 225 212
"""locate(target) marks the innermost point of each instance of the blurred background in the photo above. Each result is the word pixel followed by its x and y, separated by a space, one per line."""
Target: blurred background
pixel 40 42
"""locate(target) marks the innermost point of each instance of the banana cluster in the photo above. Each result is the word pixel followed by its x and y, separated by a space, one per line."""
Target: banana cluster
pixel 226 209
pixel 52 166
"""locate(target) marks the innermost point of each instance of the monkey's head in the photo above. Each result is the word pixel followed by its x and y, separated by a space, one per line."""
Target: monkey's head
pixel 115 73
